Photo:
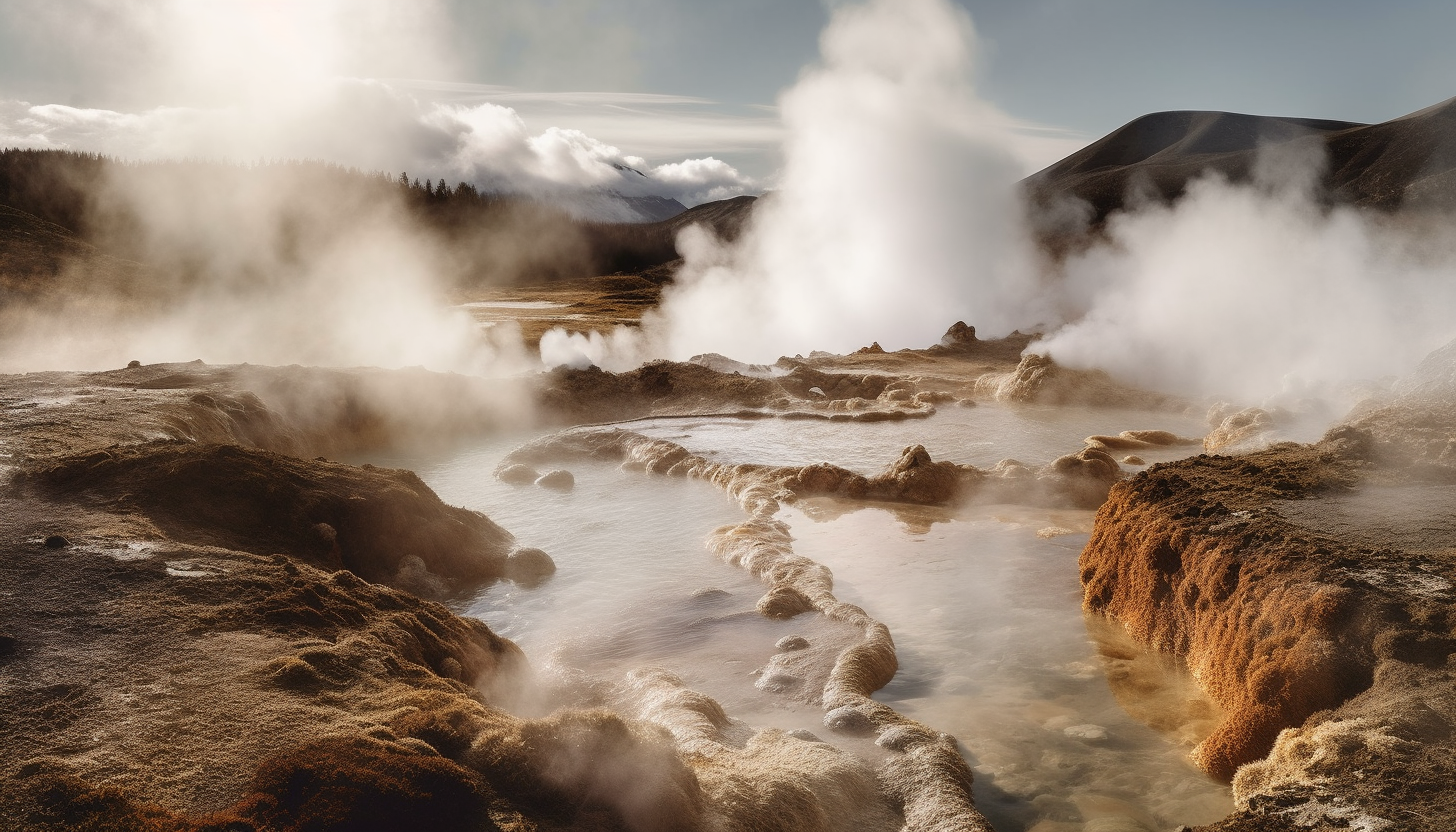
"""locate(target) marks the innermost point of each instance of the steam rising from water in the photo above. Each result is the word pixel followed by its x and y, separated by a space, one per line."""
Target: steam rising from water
pixel 242 80
pixel 898 213
pixel 1255 290
pixel 259 266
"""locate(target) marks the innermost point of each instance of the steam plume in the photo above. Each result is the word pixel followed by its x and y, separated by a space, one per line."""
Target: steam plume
pixel 898 213
pixel 1257 290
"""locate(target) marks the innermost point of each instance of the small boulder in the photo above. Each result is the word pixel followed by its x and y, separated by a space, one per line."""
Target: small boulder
pixel 959 333
pixel 848 720
pixel 529 566
pixel 777 681
pixel 557 480
pixel 789 643
pixel 783 602
pixel 518 474
pixel 56 541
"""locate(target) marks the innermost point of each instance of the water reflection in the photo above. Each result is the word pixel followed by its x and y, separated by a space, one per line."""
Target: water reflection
pixel 1068 724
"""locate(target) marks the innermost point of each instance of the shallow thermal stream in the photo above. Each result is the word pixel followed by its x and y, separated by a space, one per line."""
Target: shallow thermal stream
pixel 984 603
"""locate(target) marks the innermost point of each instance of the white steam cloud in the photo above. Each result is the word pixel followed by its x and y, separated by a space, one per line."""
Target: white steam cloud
pixel 232 277
pixel 274 265
pixel 899 213
pixel 245 81
pixel 1254 291
pixel 896 211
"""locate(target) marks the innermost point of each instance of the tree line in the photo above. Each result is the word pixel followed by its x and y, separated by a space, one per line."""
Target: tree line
pixel 489 237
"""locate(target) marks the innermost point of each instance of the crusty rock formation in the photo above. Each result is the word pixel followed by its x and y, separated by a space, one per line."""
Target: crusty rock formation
pixel 1271 651
pixel 207 635
pixel 1326 646
pixel 927 778
pixel 1231 431
pixel 173 683
pixel 796 390
pixel 301 411
pixel 385 526
pixel 1041 380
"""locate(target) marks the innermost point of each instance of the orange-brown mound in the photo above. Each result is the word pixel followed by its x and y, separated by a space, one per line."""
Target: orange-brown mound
pixel 363 785
pixel 384 525
pixel 1284 610
pixel 1189 557
pixel 578 764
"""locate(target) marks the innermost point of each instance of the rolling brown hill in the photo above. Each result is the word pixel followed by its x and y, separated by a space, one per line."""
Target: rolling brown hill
pixel 39 258
pixel 1405 163
pixel 619 248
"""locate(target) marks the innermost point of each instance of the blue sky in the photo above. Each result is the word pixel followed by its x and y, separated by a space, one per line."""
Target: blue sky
pixel 669 80
pixel 1087 65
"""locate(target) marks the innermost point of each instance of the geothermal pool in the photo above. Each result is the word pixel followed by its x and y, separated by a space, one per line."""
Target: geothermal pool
pixel 983 602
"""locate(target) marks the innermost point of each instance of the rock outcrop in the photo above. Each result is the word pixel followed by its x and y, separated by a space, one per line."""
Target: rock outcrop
pixel 385 526
pixel 1040 380
pixel 206 634
pixel 1321 627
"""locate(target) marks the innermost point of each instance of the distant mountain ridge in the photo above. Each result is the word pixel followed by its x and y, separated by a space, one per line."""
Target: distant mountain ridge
pixel 1405 163
pixel 612 206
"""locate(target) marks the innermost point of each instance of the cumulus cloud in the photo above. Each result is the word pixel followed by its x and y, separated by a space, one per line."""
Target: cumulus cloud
pixel 701 180
pixel 245 81
pixel 375 126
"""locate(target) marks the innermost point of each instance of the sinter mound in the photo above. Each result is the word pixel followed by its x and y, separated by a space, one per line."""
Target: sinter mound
pixel 1311 589
pixel 383 525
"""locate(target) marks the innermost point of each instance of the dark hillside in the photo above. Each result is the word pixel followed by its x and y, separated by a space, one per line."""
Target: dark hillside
pixel 37 257
pixel 621 248
pixel 158 213
pixel 1405 163
pixel 1158 154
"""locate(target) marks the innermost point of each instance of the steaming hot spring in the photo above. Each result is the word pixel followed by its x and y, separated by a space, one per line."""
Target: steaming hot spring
pixel 959 587
pixel 916 494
